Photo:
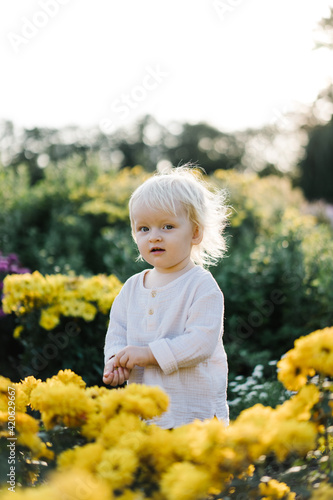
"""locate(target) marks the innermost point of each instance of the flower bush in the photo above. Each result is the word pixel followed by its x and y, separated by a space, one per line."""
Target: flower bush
pixel 56 316
pixel 104 448
pixel 57 295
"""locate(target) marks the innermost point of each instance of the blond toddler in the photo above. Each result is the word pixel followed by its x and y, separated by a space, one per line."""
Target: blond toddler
pixel 166 324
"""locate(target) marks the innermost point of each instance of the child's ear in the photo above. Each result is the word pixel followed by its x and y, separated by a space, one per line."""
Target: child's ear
pixel 197 235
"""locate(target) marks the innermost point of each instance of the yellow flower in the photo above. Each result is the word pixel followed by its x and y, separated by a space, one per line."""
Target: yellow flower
pixel 319 348
pixel 56 295
pixel 135 400
pixel 185 481
pixel 118 466
pixel 5 383
pixel 26 433
pixel 60 403
pixel 292 372
pixel 85 457
pixel 132 495
pixel 17 331
pixel 111 432
pixel 74 484
pixel 146 401
pixel 290 436
pixel 273 490
pixel 26 424
pixel 324 492
pixel 312 353
pixel 68 376
pixel 147 446
pixel 48 320
pixel 249 434
pixel 300 405
pixel 23 391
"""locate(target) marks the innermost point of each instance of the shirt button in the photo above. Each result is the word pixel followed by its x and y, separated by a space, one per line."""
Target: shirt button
pixel 151 311
pixel 153 293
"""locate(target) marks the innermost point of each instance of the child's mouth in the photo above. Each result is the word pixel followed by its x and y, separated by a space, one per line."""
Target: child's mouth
pixel 157 250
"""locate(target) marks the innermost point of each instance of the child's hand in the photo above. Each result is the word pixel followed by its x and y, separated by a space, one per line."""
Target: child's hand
pixel 113 375
pixel 132 356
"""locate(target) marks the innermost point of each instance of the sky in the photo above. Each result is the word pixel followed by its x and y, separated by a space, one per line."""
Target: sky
pixel 231 63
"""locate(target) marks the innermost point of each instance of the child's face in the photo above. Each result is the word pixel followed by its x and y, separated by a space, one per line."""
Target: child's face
pixel 164 240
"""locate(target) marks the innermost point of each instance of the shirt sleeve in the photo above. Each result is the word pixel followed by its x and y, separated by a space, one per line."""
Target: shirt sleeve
pixel 116 335
pixel 203 332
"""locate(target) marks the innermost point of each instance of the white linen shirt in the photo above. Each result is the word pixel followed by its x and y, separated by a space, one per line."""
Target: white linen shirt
pixel 182 323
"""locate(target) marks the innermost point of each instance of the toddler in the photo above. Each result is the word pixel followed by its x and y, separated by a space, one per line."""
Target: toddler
pixel 166 324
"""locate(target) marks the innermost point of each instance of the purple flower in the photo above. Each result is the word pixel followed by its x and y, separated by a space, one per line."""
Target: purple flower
pixel 12 257
pixel 3 266
pixel 23 270
pixel 9 264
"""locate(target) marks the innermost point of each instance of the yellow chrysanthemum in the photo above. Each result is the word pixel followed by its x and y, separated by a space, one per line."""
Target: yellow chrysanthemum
pixel 319 348
pixel 33 442
pixel 185 481
pixel 299 406
pixel 26 433
pixel 5 384
pixel 324 492
pixel 292 371
pixel 123 424
pixel 49 320
pixel 118 466
pixel 132 495
pixel 248 435
pixel 69 377
pixel 135 400
pixel 23 391
pixel 273 490
pixel 312 353
pixel 17 331
pixel 74 484
pixel 26 424
pixel 59 403
pixel 56 295
pixel 147 446
pixel 85 457
pixel 291 436
pixel 146 401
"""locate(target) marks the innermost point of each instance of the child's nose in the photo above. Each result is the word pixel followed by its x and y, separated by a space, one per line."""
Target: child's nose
pixel 155 235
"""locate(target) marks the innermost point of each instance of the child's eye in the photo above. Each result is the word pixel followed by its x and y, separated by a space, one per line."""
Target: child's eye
pixel 143 229
pixel 168 226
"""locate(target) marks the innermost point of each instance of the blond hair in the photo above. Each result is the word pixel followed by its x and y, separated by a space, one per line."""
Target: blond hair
pixel 205 208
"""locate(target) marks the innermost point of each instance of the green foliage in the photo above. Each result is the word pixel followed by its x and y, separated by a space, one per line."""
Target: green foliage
pixel 276 277
pixel 74 343
pixel 62 223
pixel 261 387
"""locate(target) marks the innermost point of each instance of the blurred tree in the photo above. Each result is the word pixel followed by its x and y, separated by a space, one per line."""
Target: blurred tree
pixel 316 167
pixel 316 178
pixel 208 146
pixel 37 147
pixel 148 143
pixel 324 32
